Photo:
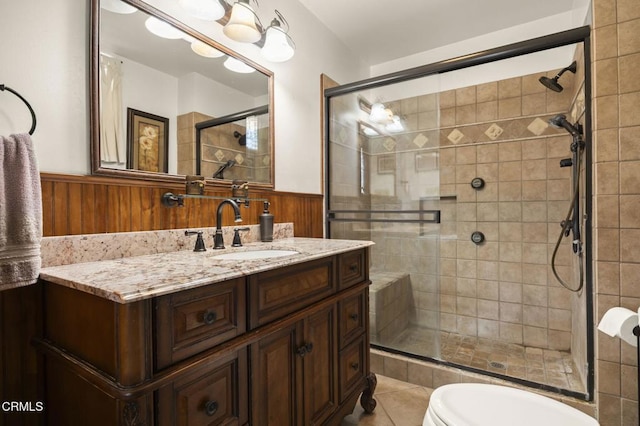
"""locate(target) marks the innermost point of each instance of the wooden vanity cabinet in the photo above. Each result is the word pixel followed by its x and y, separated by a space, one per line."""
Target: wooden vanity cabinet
pixel 294 376
pixel 288 346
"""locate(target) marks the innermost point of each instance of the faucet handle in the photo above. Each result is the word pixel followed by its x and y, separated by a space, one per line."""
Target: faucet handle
pixel 236 236
pixel 199 240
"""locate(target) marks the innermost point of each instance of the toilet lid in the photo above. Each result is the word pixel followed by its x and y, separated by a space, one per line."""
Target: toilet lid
pixel 475 404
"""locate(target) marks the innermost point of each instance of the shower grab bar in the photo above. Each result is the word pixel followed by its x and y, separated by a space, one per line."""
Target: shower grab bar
pixel 33 114
pixel 434 213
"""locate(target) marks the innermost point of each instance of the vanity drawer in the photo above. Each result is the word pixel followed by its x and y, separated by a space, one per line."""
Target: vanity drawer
pixel 216 394
pixel 352 368
pixel 351 268
pixel 351 317
pixel 274 294
pixel 191 321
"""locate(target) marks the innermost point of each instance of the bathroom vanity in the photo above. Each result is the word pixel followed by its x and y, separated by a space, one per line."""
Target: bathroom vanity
pixel 188 338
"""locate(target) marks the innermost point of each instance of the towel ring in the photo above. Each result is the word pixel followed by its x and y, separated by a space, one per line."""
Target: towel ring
pixel 33 114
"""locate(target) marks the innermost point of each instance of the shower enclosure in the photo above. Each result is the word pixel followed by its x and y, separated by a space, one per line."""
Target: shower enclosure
pixel 457 172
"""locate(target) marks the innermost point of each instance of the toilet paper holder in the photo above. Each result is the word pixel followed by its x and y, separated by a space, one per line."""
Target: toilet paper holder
pixel 621 322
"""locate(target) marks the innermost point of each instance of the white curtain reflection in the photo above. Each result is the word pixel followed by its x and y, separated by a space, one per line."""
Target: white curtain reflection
pixel 111 131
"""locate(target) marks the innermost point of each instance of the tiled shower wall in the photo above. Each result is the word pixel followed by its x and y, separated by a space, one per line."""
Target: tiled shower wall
pixel 616 106
pixel 503 288
pixel 218 146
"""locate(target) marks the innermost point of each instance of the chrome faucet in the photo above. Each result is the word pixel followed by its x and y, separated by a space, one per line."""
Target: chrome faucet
pixel 218 241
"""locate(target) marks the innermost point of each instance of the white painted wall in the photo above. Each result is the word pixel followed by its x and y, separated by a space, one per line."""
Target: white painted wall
pixel 45 57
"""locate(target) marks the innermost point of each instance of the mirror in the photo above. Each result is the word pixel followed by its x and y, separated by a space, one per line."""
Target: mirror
pixel 161 111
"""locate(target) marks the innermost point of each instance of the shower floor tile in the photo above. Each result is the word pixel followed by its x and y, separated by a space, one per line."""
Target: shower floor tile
pixel 548 367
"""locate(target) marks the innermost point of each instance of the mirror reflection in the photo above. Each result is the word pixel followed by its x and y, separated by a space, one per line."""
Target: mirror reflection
pixel 158 84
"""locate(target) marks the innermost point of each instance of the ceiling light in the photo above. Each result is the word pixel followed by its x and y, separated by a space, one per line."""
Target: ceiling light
pixel 237 66
pixel 381 115
pixel 242 23
pixel 162 29
pixel 208 10
pixel 205 50
pixel 117 6
pixel 278 45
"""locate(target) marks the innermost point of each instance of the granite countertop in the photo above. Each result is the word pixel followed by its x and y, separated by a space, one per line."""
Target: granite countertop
pixel 136 278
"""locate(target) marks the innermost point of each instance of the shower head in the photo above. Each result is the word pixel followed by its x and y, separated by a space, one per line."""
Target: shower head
pixel 552 83
pixel 560 122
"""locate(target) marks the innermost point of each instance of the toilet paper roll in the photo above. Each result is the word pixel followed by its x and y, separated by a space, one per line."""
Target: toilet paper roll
pixel 620 322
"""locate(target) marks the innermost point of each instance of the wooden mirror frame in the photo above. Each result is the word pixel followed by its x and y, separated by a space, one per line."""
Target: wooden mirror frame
pixel 94 76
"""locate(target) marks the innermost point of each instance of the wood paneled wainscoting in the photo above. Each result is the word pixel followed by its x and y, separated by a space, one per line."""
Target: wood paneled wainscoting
pixel 75 205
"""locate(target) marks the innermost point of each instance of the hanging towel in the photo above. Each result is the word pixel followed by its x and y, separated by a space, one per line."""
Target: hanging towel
pixel 20 212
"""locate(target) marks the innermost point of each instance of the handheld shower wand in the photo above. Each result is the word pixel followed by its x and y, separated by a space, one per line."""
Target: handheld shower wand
pixel 571 223
pixel 219 173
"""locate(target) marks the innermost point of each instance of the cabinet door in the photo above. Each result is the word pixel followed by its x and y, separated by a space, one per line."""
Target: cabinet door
pixel 320 360
pixel 211 395
pixel 276 378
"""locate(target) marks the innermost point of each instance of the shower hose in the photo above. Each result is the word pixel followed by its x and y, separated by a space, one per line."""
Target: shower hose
pixel 565 226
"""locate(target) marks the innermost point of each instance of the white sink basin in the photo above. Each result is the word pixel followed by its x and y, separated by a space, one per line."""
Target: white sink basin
pixel 255 254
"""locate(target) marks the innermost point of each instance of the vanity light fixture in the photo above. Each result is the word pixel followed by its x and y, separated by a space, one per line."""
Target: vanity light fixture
pixel 242 23
pixel 278 45
pixel 395 126
pixel 117 6
pixel 205 50
pixel 162 29
pixel 235 65
pixel 380 115
pixel 208 10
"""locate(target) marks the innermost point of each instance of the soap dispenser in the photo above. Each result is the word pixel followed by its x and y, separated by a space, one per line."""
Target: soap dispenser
pixel 266 224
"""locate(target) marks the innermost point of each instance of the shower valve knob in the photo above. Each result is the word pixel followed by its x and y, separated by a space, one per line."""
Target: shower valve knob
pixel 477 237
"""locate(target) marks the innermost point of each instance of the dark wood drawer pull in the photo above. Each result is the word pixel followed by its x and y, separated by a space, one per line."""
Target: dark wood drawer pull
pixel 353 267
pixel 210 407
pixel 209 317
pixel 354 316
pixel 354 366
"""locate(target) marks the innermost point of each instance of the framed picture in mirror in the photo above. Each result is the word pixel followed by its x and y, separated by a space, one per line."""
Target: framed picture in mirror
pixel 147 141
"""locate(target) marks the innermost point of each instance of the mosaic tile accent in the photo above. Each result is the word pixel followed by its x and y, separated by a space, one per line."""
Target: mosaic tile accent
pixel 219 155
pixel 455 136
pixel 239 159
pixel 420 140
pixel 343 136
pixel 538 126
pixel 389 144
pixel 494 131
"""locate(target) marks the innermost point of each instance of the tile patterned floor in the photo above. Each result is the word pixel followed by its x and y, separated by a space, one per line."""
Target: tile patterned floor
pixel 399 404
pixel 553 368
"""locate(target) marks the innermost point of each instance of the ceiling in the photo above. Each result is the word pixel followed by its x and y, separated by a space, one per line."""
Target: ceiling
pixel 379 31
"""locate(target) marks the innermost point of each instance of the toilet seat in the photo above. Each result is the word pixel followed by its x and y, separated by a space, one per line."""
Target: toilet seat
pixel 476 404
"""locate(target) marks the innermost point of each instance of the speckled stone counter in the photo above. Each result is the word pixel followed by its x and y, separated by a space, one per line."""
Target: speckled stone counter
pixel 130 279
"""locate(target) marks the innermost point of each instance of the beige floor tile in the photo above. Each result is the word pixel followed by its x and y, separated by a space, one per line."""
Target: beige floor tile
pixel 407 407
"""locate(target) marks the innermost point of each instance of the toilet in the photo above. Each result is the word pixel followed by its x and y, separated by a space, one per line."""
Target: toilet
pixel 475 404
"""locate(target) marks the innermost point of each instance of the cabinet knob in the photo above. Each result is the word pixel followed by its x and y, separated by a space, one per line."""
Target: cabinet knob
pixel 354 316
pixel 304 349
pixel 353 267
pixel 354 366
pixel 209 317
pixel 210 407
